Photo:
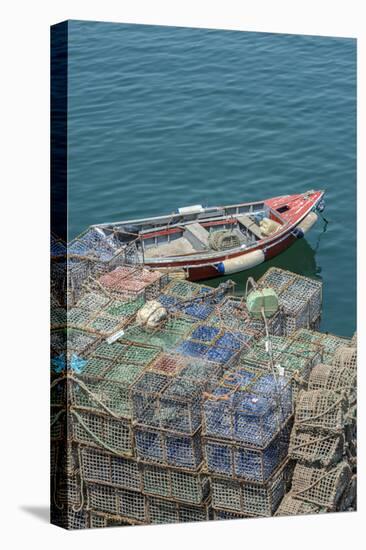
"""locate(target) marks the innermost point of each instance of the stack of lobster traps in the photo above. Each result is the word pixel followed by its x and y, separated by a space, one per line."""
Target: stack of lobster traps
pixel 247 423
pixel 192 418
pixel 300 298
pixel 323 439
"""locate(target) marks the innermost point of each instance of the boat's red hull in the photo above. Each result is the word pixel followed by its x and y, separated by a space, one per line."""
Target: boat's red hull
pixel 197 269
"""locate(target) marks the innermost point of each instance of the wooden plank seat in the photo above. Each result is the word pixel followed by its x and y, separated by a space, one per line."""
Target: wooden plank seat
pixel 250 225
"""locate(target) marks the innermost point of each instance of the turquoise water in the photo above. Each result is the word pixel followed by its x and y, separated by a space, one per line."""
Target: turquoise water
pixel 162 117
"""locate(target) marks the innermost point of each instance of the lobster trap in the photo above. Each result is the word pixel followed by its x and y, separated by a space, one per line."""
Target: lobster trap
pixel 247 408
pixel 328 343
pixel 322 487
pixel 164 511
pixel 346 357
pixel 300 298
pixel 249 498
pixel 174 484
pixel 133 281
pixel 244 462
pixel 337 378
pixel 129 505
pixel 68 518
pixel 219 515
pixel 103 431
pixel 291 506
pixel 100 466
pixel 320 410
pixel 283 354
pixel 168 449
pixel 316 448
pixel 174 403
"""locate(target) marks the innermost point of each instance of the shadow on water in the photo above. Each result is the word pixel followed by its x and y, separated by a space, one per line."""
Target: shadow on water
pixel 299 258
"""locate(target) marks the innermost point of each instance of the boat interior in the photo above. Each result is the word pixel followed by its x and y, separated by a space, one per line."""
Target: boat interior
pixel 198 230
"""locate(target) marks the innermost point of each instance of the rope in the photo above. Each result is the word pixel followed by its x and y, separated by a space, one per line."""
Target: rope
pixel 92 434
pixel 299 492
pixel 319 440
pixel 329 409
pixel 79 508
pixel 54 484
pixel 55 419
pixel 93 396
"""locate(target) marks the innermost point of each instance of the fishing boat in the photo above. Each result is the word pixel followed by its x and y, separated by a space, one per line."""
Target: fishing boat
pixel 205 242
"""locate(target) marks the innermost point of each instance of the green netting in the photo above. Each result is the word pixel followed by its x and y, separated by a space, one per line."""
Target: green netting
pixel 163 339
pixel 78 316
pixel 58 316
pixel 125 309
pixel 182 289
pixel 179 325
pixel 96 367
pixel 110 351
pixel 102 396
pixel 110 434
pixel 93 301
pixel 105 324
pixel 125 373
pixel 140 354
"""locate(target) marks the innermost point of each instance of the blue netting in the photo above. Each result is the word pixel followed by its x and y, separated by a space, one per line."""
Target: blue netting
pixel 149 445
pixel 205 289
pixel 76 364
pixel 198 310
pixel 219 355
pixel 280 388
pixel 185 452
pixel 205 333
pixel 258 465
pixel 241 377
pixel 255 419
pixel 58 248
pixel 219 457
pixel 92 243
pixel 58 364
pixel 248 418
pixel 233 340
pixel 244 462
pixel 79 248
pixel 169 302
pixel 194 349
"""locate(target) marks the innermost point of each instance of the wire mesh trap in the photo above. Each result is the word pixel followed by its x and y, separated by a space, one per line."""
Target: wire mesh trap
pixel 316 448
pixel 348 500
pixel 244 462
pixel 219 515
pixel 69 519
pixel 321 409
pixel 131 505
pixel 291 506
pixel 346 357
pixel 165 511
pixel 337 378
pixel 300 298
pixel 174 484
pixel 104 467
pixel 249 498
pixel 247 408
pixel 103 431
pixel 191 420
pixel 174 403
pixel 320 486
pixel 168 448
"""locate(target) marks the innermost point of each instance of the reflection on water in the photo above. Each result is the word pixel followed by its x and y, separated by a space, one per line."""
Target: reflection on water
pixel 299 258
